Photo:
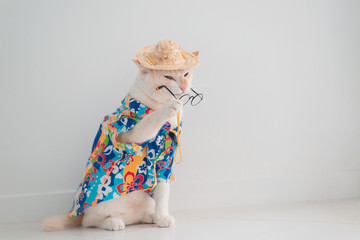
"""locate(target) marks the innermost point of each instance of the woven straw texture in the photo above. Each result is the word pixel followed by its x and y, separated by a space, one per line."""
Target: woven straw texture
pixel 166 55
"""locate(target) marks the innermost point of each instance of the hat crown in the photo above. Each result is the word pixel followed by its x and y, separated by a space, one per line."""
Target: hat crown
pixel 167 51
pixel 166 55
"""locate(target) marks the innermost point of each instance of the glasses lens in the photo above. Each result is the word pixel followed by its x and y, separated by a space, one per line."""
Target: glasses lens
pixel 197 99
pixel 184 98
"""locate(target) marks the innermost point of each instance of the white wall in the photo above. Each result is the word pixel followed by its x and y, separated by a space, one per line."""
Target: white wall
pixel 280 120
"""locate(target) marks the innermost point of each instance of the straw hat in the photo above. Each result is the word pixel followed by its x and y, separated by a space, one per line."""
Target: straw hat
pixel 167 55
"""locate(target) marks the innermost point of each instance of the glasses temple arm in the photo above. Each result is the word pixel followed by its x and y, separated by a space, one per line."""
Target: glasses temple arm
pixel 194 91
pixel 163 86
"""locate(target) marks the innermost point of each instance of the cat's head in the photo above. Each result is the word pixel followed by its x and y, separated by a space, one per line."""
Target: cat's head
pixel 178 81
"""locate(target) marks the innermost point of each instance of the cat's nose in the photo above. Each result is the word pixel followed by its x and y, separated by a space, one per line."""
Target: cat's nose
pixel 183 88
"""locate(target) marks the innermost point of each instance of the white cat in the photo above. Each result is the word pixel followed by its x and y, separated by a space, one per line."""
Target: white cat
pixel 138 206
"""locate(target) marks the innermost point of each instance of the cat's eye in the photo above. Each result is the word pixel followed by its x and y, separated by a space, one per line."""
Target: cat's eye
pixel 169 77
pixel 186 74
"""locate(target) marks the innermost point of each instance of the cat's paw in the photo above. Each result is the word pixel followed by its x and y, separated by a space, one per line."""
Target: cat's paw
pixel 113 224
pixel 172 108
pixel 165 221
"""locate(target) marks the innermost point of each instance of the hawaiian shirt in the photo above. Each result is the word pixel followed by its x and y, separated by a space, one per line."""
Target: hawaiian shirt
pixel 115 169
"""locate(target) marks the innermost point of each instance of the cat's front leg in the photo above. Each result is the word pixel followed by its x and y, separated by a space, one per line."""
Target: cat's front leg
pixel 149 126
pixel 161 196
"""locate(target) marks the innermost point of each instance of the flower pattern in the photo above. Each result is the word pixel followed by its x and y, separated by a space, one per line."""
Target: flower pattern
pixel 115 169
pixel 104 189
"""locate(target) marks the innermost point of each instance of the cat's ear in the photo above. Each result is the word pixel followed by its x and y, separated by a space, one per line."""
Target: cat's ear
pixel 142 69
pixel 196 53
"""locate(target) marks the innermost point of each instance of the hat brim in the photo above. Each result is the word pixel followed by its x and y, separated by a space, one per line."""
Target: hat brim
pixel 190 60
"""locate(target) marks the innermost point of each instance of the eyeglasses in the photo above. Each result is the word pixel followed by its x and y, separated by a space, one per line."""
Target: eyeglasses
pixel 195 100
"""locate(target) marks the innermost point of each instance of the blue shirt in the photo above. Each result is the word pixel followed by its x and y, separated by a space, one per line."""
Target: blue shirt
pixel 115 169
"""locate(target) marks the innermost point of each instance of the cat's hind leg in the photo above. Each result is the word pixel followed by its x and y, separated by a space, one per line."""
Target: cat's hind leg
pixel 112 224
pixel 108 223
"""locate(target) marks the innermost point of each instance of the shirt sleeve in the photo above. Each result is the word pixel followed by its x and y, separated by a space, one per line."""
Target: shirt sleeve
pixel 121 124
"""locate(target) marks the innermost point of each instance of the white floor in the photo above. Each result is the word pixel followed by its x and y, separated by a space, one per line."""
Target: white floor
pixel 322 220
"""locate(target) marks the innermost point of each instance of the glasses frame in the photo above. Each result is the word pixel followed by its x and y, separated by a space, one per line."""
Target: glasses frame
pixel 200 95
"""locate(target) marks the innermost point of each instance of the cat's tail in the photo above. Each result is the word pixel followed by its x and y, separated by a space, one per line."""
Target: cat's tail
pixel 61 222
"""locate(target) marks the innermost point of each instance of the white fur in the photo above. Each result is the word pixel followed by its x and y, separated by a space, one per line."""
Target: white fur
pixel 138 207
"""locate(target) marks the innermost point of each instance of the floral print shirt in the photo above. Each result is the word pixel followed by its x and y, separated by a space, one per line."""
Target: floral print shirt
pixel 115 169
